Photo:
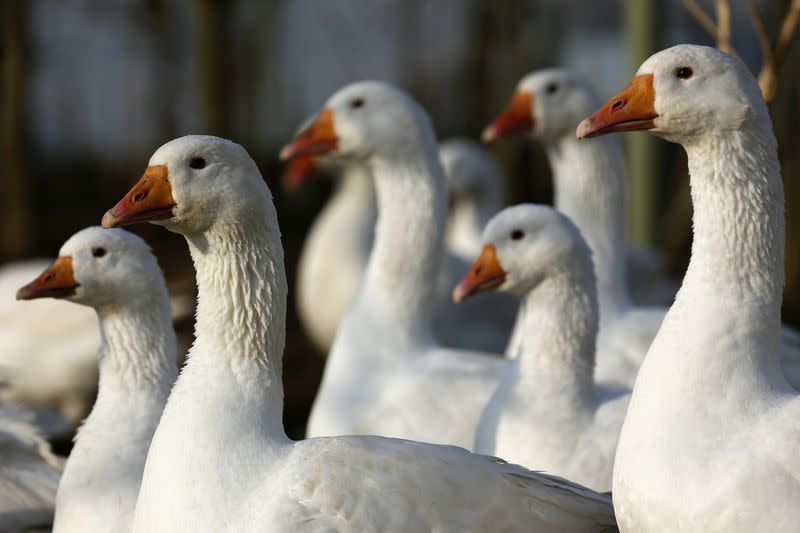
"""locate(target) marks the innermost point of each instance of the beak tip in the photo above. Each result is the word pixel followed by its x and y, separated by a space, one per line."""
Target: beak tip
pixel 286 153
pixel 459 293
pixel 22 293
pixel 584 129
pixel 110 219
pixel 489 135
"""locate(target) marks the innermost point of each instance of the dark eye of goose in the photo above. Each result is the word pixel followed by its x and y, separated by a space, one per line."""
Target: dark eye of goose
pixel 356 103
pixel 197 163
pixel 684 73
pixel 517 234
pixel 98 251
pixel 551 88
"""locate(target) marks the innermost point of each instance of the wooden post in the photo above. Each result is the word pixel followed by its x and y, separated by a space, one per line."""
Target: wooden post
pixel 643 38
pixel 14 184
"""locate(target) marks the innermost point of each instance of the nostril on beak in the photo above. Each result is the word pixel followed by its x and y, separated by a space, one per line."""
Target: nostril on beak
pixel 478 271
pixel 618 104
pixel 139 196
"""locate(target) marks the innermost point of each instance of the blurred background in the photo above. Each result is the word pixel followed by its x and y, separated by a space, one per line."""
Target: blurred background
pixel 90 88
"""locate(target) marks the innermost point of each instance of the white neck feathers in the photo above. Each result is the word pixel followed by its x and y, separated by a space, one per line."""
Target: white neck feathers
pixel 559 325
pixel 408 248
pixel 589 185
pixel 241 309
pixel 138 351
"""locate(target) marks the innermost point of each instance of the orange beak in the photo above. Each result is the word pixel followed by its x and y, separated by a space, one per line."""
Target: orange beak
pixel 298 170
pixel 486 274
pixel 516 118
pixel 632 109
pixel 150 199
pixel 57 281
pixel 318 138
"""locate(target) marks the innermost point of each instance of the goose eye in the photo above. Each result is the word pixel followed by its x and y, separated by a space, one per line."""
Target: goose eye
pixel 197 163
pixel 358 102
pixel 98 252
pixel 550 89
pixel 517 234
pixel 684 73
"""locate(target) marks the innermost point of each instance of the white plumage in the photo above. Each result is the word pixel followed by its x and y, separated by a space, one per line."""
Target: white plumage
pixel 220 460
pixel 710 436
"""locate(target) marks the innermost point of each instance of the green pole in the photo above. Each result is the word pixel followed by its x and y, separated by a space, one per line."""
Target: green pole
pixel 643 22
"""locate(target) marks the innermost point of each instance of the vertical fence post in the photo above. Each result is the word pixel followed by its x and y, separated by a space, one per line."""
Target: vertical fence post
pixel 643 38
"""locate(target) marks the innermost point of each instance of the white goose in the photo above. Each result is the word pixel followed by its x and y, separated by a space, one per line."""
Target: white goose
pixel 711 435
pixel 335 252
pixel 547 413
pixel 48 353
pixel 29 473
pixel 414 388
pixel 476 188
pixel 589 188
pixel 220 460
pixel 115 273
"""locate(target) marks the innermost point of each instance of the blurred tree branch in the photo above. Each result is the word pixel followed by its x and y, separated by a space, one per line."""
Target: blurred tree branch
pixel 774 52
pixel 720 30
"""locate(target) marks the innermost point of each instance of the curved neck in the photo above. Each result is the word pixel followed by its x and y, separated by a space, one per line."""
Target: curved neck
pixel 241 309
pixel 558 329
pixel 138 350
pixel 722 332
pixel 467 219
pixel 589 185
pixel 408 247
pixel 737 194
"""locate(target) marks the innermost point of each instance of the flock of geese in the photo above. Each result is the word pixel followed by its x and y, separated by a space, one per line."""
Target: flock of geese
pixel 505 358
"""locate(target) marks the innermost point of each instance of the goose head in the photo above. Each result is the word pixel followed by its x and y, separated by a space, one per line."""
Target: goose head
pixel 191 184
pixel 99 268
pixel 359 121
pixel 681 94
pixel 546 104
pixel 523 246
pixel 472 174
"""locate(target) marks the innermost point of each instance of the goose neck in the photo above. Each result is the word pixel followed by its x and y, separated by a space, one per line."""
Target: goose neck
pixel 465 225
pixel 556 349
pixel 138 350
pixel 726 317
pixel 241 308
pixel 737 195
pixel 409 234
pixel 588 180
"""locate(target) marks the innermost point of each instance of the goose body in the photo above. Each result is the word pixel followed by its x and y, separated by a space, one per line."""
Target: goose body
pixel 415 388
pixel 115 273
pixel 710 436
pixel 29 473
pixel 547 413
pixel 241 472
